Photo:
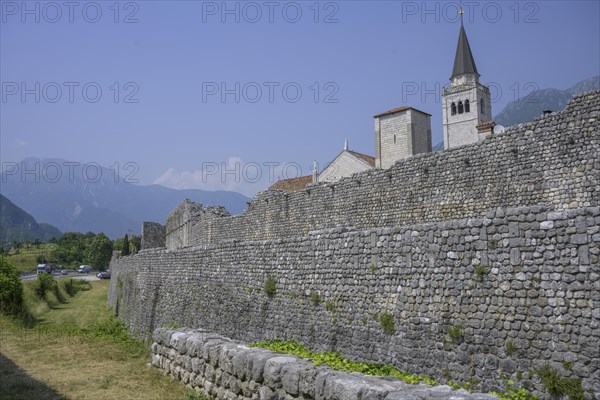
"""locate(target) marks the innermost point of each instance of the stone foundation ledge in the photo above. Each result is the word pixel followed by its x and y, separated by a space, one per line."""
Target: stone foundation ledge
pixel 226 369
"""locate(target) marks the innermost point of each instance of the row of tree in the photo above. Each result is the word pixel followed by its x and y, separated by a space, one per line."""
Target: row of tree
pixel 75 248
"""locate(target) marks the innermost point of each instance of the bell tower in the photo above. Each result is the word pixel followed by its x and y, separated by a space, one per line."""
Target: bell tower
pixel 466 102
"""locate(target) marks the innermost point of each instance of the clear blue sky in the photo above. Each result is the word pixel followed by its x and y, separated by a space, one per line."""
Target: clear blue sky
pixel 370 57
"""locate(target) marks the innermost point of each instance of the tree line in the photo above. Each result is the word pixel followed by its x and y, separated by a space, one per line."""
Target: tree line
pixel 75 248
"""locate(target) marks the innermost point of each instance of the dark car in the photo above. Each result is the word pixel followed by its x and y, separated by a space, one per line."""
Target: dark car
pixel 104 275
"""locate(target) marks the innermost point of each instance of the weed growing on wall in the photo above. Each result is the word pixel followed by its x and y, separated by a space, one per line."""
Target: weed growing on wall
pixel 387 323
pixel 456 333
pixel 481 270
pixel 315 298
pixel 558 386
pixel 270 286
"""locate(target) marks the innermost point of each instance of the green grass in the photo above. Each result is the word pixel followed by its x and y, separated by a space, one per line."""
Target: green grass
pixel 338 362
pixel 26 260
pixel 76 350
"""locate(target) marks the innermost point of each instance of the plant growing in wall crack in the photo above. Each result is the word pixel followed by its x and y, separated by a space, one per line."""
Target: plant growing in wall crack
pixel 481 270
pixel 330 306
pixel 456 333
pixel 270 286
pixel 510 348
pixel 387 323
pixel 315 298
pixel 558 386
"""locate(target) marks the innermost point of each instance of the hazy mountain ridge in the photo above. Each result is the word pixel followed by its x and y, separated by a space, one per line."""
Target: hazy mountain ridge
pixel 17 225
pixel 104 202
pixel 533 105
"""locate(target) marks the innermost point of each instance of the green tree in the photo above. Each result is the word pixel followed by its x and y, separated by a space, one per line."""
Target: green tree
pixel 135 244
pixel 99 252
pixel 11 289
pixel 118 244
pixel 72 248
pixel 125 251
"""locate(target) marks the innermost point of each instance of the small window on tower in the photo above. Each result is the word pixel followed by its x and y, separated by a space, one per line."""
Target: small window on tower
pixel 467 106
pixel 453 109
pixel 460 107
pixel 481 106
pixel 394 139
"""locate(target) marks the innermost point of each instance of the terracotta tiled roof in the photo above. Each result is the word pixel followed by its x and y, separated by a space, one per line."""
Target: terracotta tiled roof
pixel 487 124
pixel 370 160
pixel 395 110
pixel 292 184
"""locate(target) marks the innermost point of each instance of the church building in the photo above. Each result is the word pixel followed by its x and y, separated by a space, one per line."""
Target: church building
pixel 405 131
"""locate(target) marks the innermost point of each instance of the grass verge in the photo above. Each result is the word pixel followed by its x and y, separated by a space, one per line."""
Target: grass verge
pixel 76 350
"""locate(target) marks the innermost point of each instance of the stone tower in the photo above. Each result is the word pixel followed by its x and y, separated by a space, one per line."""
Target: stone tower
pixel 466 102
pixel 401 133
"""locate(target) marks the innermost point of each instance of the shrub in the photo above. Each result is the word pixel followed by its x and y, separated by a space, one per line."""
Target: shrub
pixel 45 283
pixel 11 288
pixel 270 287
pixel 558 386
pixel 192 395
pixel 387 323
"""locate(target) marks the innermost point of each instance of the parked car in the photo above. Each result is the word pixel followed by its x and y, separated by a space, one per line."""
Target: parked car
pixel 104 275
pixel 84 269
pixel 63 271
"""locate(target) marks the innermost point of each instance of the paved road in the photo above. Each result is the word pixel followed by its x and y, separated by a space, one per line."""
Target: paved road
pixel 31 276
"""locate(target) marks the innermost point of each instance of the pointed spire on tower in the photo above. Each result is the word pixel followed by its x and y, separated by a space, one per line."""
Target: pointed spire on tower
pixel 346 144
pixel 464 63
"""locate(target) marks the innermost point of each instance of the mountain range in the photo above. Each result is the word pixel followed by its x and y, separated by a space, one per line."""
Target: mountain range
pixel 533 105
pixel 75 197
pixel 17 225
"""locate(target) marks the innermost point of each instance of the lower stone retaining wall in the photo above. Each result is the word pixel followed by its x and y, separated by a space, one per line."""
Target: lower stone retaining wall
pixel 226 369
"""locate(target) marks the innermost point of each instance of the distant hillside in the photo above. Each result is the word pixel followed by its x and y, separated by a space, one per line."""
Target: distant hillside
pixel 73 203
pixel 17 225
pixel 527 108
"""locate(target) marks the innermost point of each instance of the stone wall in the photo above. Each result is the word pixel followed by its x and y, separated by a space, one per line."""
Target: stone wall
pixel 153 235
pixel 229 370
pixel 552 162
pixel 471 298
